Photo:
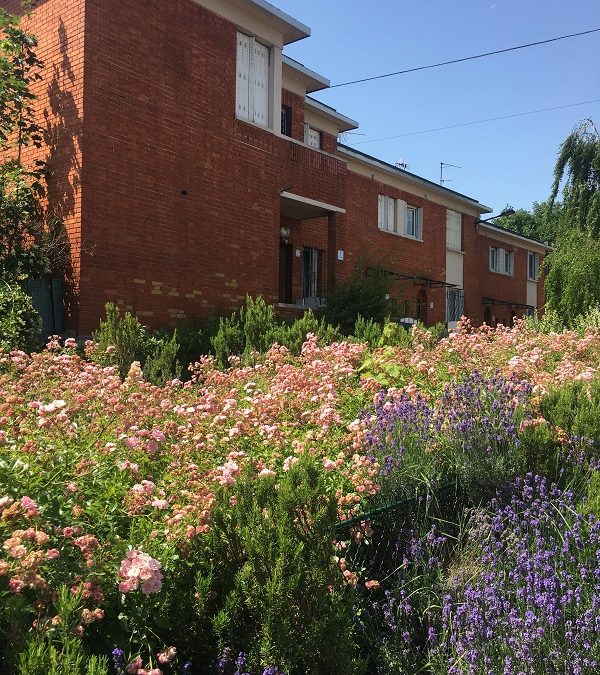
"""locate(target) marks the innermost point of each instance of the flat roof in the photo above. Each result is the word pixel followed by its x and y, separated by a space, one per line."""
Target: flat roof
pixel 293 30
pixel 312 79
pixel 346 124
pixel 413 178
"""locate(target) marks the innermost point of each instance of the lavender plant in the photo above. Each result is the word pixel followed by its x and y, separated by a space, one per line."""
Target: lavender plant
pixel 534 605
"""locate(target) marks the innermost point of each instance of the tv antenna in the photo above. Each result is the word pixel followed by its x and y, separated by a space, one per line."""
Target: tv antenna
pixel 443 165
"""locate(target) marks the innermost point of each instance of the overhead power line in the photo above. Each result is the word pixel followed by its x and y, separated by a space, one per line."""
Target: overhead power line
pixel 465 58
pixel 489 119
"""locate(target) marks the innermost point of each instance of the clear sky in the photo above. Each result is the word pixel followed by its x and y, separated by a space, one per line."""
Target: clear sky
pixel 506 161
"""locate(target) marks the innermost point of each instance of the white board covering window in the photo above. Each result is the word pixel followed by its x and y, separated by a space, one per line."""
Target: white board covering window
pixel 252 84
pixel 386 218
pixel 453 230
pixel 312 137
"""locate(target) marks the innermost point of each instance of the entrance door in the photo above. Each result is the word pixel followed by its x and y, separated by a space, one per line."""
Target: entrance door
pixel 285 273
pixel 312 277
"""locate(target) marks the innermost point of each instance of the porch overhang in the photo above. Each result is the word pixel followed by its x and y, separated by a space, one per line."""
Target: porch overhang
pixel 508 303
pixel 302 208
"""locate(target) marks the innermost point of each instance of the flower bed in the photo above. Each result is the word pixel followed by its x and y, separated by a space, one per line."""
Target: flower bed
pixel 162 529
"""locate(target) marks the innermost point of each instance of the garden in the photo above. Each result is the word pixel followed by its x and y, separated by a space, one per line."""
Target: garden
pixel 393 502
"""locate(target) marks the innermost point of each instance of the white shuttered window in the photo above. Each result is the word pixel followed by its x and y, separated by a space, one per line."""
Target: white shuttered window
pixel 312 137
pixel 252 85
pixel 395 215
pixel 453 230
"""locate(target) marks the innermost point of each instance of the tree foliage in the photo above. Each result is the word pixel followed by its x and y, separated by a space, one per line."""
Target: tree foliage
pixel 578 170
pixel 31 243
pixel 573 269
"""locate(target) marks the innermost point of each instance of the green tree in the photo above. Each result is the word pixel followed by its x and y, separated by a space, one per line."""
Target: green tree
pixel 578 171
pixel 572 270
pixel 30 243
pixel 541 223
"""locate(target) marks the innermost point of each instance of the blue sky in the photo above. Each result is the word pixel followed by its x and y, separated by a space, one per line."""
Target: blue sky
pixel 506 161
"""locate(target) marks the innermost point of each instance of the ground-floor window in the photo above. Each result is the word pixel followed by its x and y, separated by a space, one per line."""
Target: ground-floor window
pixel 312 274
pixel 455 304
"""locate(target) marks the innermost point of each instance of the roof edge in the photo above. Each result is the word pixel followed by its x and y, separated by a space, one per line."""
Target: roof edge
pixel 413 178
pixel 314 81
pixel 296 30
pixel 347 123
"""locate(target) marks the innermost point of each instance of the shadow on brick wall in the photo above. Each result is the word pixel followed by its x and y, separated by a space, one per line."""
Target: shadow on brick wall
pixel 62 133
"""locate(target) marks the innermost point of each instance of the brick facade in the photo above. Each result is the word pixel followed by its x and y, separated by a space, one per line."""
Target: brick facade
pixel 173 206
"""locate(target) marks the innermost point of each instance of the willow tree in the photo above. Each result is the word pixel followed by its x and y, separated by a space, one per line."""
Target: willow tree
pixel 573 269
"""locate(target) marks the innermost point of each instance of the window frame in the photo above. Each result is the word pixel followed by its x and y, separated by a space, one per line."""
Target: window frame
pixel 254 112
pixel 399 209
pixel 532 255
pixel 501 255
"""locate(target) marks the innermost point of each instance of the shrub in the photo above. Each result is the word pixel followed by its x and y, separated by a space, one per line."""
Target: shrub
pixel 367 330
pixel 20 324
pixel 120 340
pixel 575 408
pixel 281 600
pixel 161 363
pixel 549 322
pixel 358 296
pixel 229 339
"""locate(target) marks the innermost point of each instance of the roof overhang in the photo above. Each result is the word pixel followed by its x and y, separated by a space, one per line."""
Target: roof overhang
pixel 292 29
pixel 312 80
pixel 303 208
pixel 507 236
pixel 345 151
pixel 341 121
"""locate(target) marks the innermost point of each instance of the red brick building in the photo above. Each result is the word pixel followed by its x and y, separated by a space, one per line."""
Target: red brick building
pixel 191 166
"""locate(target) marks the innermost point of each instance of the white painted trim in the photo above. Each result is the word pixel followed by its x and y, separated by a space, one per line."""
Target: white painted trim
pixel 313 81
pixel 313 202
pixel 347 124
pixel 510 238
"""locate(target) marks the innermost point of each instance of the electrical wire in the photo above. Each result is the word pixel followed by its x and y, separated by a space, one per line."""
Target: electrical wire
pixel 465 58
pixel 489 119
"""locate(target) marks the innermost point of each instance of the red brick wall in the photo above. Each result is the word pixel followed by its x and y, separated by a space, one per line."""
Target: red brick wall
pixel 59 27
pixel 296 103
pixel 364 244
pixel 501 286
pixel 160 110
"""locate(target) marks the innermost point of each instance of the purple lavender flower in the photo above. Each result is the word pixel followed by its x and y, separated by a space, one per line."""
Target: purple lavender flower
pixel 118 657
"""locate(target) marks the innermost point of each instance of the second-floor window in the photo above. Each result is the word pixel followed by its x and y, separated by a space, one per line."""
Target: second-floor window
pixel 286 120
pixel 252 84
pixel 453 230
pixel 312 137
pixel 501 261
pixel 395 215
pixel 533 266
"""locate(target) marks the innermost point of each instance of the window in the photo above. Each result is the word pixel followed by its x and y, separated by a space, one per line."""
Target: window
pixel 455 304
pixel 453 230
pixel 286 120
pixel 252 84
pixel 312 137
pixel 312 277
pixel 501 261
pixel 533 266
pixel 395 215
pixel 508 262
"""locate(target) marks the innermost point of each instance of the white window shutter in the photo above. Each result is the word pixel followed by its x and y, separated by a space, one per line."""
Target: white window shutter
pixel 380 212
pixel 261 84
pixel 492 255
pixel 391 227
pixel 242 89
pixel 453 230
pixel 419 224
pixel 401 208
pixel 306 133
